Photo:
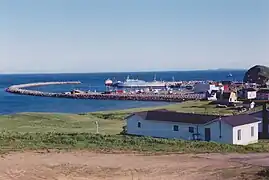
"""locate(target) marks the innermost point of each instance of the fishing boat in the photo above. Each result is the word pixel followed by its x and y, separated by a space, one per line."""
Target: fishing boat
pixel 230 75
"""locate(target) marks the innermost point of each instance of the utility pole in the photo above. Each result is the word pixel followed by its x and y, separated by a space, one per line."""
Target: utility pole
pixel 97 127
pixel 265 122
pixel 220 127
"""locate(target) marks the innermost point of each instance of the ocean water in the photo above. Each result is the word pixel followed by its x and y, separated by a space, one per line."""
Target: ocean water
pixel 11 103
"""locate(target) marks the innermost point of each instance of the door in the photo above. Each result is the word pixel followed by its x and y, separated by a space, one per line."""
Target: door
pixel 207 134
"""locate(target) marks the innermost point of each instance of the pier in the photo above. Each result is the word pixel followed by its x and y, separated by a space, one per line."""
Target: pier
pixel 21 89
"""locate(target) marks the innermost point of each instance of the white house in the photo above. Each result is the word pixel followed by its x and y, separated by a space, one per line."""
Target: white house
pixel 239 129
pixel 250 93
pixel 211 96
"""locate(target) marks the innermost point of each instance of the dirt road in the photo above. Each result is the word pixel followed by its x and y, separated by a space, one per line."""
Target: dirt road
pixel 83 165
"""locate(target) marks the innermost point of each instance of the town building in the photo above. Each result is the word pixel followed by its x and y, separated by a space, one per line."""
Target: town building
pixel 212 96
pixel 250 85
pixel 206 87
pixel 228 97
pixel 263 94
pixel 238 129
pixel 249 93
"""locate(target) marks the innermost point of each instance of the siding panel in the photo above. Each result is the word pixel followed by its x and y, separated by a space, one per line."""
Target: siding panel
pixel 246 137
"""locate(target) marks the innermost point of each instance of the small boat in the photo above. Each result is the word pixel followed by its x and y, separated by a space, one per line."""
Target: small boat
pixel 230 75
pixel 189 87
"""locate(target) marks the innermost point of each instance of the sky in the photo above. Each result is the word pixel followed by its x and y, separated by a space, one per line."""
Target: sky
pixel 134 35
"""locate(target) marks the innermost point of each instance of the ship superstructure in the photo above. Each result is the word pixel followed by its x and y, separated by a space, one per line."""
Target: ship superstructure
pixel 137 83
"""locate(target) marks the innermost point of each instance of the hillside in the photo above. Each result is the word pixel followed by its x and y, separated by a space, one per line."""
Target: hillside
pixel 257 74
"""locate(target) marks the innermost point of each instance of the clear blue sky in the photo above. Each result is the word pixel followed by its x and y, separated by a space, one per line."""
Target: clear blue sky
pixel 132 35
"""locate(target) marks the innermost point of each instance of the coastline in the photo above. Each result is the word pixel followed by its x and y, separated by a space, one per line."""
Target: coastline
pixel 13 103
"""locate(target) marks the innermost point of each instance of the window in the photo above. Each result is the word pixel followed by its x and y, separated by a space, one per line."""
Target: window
pixel 175 128
pixel 239 134
pixel 252 131
pixel 139 124
pixel 191 129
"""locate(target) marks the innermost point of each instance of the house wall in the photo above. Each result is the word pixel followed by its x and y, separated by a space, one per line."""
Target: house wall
pixel 263 96
pixel 260 124
pixel 233 97
pixel 246 137
pixel 220 132
pixel 164 129
pixel 251 95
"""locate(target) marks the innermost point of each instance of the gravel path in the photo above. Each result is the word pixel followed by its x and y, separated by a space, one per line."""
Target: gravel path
pixel 81 165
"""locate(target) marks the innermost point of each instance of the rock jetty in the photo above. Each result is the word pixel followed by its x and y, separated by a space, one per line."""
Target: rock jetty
pixel 20 89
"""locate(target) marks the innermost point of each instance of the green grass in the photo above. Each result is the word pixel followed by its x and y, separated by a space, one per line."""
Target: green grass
pixel 63 123
pixel 199 107
pixel 25 141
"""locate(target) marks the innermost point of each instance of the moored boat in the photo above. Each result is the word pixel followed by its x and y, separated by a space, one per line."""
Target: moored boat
pixel 137 83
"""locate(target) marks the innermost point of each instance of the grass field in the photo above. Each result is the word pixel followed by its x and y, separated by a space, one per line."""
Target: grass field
pixel 62 123
pixel 55 130
pixel 200 107
pixel 110 122
pixel 25 141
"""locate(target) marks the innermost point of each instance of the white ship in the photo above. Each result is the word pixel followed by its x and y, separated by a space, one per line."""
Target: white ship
pixel 136 83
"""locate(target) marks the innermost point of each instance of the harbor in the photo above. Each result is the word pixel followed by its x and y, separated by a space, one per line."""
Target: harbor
pixel 75 94
pixel 223 92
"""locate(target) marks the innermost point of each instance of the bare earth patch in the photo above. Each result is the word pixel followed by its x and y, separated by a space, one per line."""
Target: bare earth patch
pixel 82 165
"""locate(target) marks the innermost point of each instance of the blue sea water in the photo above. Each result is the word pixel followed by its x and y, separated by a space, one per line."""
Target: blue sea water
pixel 11 103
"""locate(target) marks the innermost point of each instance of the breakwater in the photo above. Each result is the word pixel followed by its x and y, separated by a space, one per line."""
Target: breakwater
pixel 20 89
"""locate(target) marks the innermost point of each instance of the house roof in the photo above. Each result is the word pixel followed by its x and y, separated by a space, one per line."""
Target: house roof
pixel 258 114
pixel 239 120
pixel 265 90
pixel 250 89
pixel 173 116
pixel 226 94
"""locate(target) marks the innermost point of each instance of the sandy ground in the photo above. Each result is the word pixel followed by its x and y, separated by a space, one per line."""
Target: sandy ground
pixel 83 165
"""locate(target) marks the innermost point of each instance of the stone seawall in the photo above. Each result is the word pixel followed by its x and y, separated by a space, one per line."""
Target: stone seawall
pixel 20 89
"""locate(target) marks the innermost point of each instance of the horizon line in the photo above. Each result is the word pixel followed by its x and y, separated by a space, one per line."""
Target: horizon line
pixel 107 72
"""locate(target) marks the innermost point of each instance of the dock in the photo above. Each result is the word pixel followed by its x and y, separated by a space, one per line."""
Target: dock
pixel 20 89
